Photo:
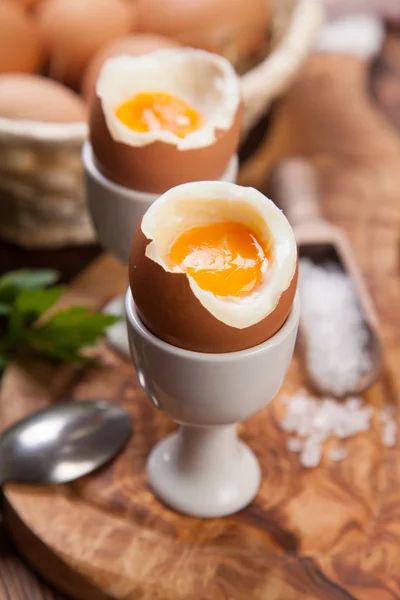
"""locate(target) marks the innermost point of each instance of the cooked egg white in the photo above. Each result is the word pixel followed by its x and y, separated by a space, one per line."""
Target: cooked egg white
pixel 203 203
pixel 206 81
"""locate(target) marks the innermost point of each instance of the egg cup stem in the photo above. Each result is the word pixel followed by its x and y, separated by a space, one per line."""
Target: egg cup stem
pixel 204 471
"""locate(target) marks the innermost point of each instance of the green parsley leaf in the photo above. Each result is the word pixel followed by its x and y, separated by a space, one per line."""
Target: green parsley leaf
pixel 29 278
pixel 28 306
pixel 25 295
pixel 4 309
pixel 14 281
pixel 66 332
pixel 36 302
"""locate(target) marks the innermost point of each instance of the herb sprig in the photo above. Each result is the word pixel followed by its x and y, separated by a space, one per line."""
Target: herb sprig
pixel 25 296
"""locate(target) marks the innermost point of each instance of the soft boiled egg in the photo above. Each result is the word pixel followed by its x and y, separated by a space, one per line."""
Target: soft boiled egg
pixel 165 118
pixel 213 267
pixel 133 44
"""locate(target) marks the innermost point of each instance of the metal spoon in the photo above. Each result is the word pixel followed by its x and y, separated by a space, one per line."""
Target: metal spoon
pixel 63 442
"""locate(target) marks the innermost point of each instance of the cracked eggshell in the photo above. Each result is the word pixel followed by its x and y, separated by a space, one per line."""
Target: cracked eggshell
pixel 134 44
pixel 158 160
pixel 172 306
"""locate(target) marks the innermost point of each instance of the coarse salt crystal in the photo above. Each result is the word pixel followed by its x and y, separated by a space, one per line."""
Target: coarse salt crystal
pixel 353 403
pixel 321 419
pixel 338 454
pixel 386 414
pixel 389 434
pixel 294 444
pixel 311 454
pixel 336 337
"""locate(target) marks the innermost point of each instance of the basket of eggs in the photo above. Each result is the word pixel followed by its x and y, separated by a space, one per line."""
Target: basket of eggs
pixel 51 53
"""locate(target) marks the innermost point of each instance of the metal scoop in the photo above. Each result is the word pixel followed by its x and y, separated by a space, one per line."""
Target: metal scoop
pixel 63 442
pixel 293 187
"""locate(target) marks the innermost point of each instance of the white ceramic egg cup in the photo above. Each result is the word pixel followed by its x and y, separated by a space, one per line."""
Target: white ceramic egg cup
pixel 116 211
pixel 204 470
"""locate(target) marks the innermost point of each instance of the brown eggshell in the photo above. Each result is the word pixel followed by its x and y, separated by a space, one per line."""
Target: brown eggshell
pixel 36 98
pixel 28 4
pixel 20 47
pixel 74 30
pixel 170 310
pixel 214 25
pixel 133 45
pixel 157 167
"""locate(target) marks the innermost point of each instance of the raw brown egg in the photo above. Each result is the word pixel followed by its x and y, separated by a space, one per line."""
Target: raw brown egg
pixel 74 30
pixel 165 118
pixel 230 27
pixel 20 47
pixel 213 267
pixel 135 44
pixel 35 98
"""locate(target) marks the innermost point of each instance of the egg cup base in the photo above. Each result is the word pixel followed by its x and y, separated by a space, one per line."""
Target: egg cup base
pixel 204 472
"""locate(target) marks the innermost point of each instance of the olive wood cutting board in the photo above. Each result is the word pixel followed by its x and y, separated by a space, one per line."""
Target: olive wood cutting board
pixel 332 532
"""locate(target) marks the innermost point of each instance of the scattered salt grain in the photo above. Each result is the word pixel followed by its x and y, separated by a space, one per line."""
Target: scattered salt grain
pixel 294 444
pixel 353 403
pixel 338 454
pixel 386 414
pixel 389 427
pixel 389 434
pixel 315 420
pixel 311 454
pixel 336 350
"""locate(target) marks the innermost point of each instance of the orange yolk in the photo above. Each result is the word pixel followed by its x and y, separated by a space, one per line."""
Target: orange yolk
pixel 223 258
pixel 152 111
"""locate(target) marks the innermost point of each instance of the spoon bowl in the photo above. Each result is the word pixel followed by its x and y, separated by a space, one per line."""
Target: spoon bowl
pixel 63 442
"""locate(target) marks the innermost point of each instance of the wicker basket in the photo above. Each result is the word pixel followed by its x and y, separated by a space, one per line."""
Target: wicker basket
pixel 41 180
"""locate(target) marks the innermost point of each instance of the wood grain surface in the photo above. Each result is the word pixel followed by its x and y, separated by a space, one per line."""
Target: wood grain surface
pixel 16 581
pixel 329 533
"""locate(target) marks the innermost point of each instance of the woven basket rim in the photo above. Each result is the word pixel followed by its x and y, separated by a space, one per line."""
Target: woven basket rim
pixel 41 131
pixel 276 70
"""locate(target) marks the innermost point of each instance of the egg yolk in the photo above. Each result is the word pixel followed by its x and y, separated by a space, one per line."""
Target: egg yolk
pixel 223 258
pixel 153 111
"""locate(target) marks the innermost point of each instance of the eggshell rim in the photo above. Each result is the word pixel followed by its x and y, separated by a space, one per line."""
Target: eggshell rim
pixel 227 309
pixel 200 138
pixel 290 322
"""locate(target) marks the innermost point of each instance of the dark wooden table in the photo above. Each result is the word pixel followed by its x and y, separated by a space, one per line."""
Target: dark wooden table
pixel 17 580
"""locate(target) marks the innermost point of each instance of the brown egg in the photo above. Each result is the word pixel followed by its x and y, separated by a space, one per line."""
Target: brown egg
pixel 177 310
pixel 28 4
pixel 74 30
pixel 134 45
pixel 35 98
pixel 156 160
pixel 224 26
pixel 20 47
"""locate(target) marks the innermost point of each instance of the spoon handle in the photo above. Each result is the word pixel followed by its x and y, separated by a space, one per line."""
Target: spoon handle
pixel 292 185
